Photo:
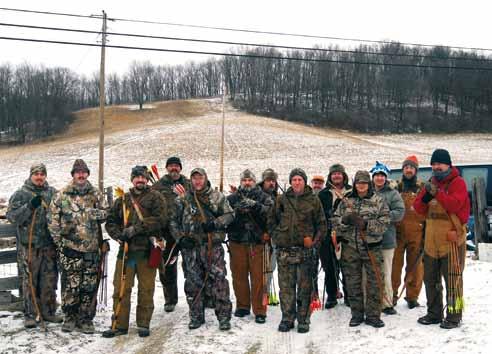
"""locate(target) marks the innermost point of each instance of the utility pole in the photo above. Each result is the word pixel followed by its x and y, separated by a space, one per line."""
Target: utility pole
pixel 222 137
pixel 102 102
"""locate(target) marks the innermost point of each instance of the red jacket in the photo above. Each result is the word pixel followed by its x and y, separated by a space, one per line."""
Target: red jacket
pixel 454 198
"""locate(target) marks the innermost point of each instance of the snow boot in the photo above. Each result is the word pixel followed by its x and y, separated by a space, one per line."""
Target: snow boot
pixel 110 333
pixel 374 322
pixel 169 307
pixel 195 323
pixel 449 324
pixel 428 320
pixel 30 322
pixel 285 326
pixel 68 324
pixel 143 332
pixel 302 327
pixel 225 324
pixel 53 318
pixel 356 321
pixel 260 319
pixel 331 304
pixel 389 311
pixel 242 312
pixel 87 327
pixel 412 304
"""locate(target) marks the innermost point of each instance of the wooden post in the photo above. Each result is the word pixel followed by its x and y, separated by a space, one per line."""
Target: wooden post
pixel 102 103
pixel 222 137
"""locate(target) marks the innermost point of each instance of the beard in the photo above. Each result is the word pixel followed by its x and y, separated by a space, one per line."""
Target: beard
pixel 174 174
pixel 140 186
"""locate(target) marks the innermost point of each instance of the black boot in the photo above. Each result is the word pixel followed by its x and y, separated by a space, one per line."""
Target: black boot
pixel 285 326
pixel 449 324
pixel 242 312
pixel 330 304
pixel 110 333
pixel 356 321
pixel 389 311
pixel 260 319
pixel 374 322
pixel 195 323
pixel 225 324
pixel 428 320
pixel 143 332
pixel 412 304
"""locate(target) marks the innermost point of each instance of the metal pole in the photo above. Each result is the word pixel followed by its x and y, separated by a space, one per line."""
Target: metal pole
pixel 102 103
pixel 221 185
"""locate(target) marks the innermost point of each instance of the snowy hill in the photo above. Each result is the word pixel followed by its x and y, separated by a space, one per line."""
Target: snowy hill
pixel 257 143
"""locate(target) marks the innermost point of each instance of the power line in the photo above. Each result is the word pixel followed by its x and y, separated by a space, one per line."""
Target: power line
pixel 231 29
pixel 243 43
pixel 254 56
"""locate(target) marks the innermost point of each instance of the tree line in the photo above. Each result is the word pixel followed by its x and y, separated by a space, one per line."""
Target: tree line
pixel 374 94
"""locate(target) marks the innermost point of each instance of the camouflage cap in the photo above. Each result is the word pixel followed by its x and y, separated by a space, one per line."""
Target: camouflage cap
pixel 39 167
pixel 247 174
pixel 198 170
pixel 362 177
pixel 80 165
pixel 269 174
pixel 139 171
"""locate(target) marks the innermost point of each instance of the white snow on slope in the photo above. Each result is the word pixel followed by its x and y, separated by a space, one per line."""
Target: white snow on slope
pixel 256 143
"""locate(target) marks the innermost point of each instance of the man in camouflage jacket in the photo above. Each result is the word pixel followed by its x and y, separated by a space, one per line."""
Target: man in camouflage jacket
pixel 202 214
pixel 247 242
pixel 147 217
pixel 360 222
pixel 297 224
pixel 27 211
pixel 74 220
pixel 168 271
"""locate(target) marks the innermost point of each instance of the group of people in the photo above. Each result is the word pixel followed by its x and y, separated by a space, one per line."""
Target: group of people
pixel 362 235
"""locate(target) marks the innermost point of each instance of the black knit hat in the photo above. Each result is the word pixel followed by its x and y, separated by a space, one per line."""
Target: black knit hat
pixel 298 172
pixel 175 160
pixel 139 171
pixel 80 165
pixel 441 156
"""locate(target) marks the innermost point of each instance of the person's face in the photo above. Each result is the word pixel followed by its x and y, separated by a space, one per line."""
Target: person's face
pixel 317 185
pixel 379 180
pixel 174 170
pixel 38 179
pixel 362 188
pixel 269 185
pixel 247 183
pixel 440 167
pixel 139 182
pixel 80 177
pixel 409 171
pixel 198 181
pixel 298 184
pixel 337 178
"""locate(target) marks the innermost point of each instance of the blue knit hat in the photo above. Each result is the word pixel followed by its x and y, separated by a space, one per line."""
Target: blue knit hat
pixel 380 168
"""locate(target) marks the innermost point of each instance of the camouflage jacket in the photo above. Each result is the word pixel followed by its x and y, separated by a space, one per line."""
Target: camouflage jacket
pixel 153 207
pixel 372 209
pixel 165 186
pixel 294 217
pixel 249 225
pixel 75 218
pixel 188 220
pixel 20 214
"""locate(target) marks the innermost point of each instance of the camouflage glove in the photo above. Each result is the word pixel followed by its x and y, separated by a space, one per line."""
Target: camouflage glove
pixel 209 226
pixel 96 214
pixel 36 202
pixel 127 234
pixel 187 243
pixel 248 203
pixel 355 220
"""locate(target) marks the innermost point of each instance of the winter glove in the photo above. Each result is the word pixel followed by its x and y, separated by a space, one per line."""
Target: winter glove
pixel 247 203
pixel 355 220
pixel 308 242
pixel 187 243
pixel 127 234
pixel 209 226
pixel 36 202
pixel 96 214
pixel 431 188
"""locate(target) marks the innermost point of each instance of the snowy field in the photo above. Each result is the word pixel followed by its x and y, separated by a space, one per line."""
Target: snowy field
pixel 256 143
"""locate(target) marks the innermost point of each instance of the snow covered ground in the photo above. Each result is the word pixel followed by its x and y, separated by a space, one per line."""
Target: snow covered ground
pixel 256 143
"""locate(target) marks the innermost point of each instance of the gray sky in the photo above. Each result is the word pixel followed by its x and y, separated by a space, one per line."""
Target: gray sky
pixel 452 22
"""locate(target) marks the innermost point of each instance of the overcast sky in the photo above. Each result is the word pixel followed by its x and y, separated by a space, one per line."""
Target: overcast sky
pixel 451 22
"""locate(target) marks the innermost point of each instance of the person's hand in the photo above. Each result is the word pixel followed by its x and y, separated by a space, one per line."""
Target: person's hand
pixel 209 226
pixel 308 241
pixel 179 190
pixel 431 188
pixel 265 237
pixel 127 234
pixel 36 202
pixel 187 243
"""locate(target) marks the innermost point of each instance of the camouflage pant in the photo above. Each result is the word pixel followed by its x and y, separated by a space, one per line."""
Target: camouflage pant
pixel 79 284
pixel 195 268
pixel 44 279
pixel 145 299
pixel 353 263
pixel 169 275
pixel 295 280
